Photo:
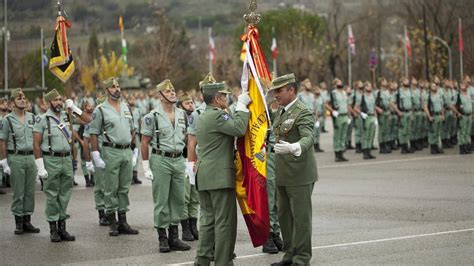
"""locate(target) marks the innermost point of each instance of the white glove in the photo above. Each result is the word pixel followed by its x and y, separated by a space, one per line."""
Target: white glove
pixel 97 160
pixel 42 173
pixel 335 113
pixel 147 170
pixel 376 123
pixel 90 166
pixel 135 157
pixel 283 147
pixel 242 102
pixel 317 124
pixel 190 172
pixel 6 168
pixel 349 121
pixel 70 104
pixel 364 115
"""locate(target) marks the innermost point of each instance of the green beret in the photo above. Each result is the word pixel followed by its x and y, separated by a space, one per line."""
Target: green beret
pixel 215 88
pixel 283 81
pixel 164 85
pixel 185 97
pixel 15 93
pixel 53 94
pixel 208 79
pixel 108 83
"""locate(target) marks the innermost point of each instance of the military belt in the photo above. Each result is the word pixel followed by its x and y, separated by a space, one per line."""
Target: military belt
pixel 57 154
pixel 116 146
pixel 437 113
pixel 20 152
pixel 167 153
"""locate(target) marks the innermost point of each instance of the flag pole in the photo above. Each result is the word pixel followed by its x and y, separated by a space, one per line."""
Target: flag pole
pixel 5 49
pixel 349 60
pixel 209 50
pixel 274 58
pixel 42 59
pixel 405 49
pixel 461 51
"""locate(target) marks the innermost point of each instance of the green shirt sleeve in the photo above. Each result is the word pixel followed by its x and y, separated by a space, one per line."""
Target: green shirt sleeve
pixel 233 126
pixel 148 125
pixel 96 123
pixel 4 129
pixel 305 128
pixel 40 124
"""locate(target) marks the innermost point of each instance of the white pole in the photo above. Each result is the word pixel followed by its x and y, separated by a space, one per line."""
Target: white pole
pixel 42 54
pixel 460 52
pixel 209 51
pixel 5 49
pixel 405 49
pixel 349 64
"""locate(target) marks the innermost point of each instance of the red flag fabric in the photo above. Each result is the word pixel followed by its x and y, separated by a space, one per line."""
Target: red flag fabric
pixel 461 42
pixel 351 40
pixel 274 48
pixel 212 48
pixel 408 44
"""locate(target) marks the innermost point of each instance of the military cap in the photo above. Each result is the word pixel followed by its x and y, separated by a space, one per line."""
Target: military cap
pixel 108 83
pixel 185 97
pixel 51 95
pixel 208 79
pixel 15 93
pixel 215 88
pixel 164 85
pixel 282 81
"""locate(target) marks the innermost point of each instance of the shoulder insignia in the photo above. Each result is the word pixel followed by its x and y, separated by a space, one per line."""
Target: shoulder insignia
pixel 38 119
pixel 181 121
pixel 93 115
pixel 147 120
pixel 225 117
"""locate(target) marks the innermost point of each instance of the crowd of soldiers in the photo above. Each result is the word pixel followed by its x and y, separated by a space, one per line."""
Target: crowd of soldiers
pixel 110 132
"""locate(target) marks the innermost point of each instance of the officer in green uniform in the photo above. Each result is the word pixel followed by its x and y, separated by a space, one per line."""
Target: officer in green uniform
pixel 113 120
pixel 136 115
pixel 97 171
pixel 306 96
pixel 296 171
pixel 16 140
pixel 52 139
pixel 435 112
pixel 417 124
pixel 215 173
pixel 337 105
pixel 394 120
pixel 448 122
pixel 191 198
pixel 463 109
pixel 367 112
pixel 165 129
pixel 320 117
pixel 403 107
pixel 355 99
pixel 382 101
pixel 425 86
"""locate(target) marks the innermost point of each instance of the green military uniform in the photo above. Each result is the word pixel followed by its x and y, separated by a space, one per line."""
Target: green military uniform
pixel 464 106
pixel 320 116
pixel 368 124
pixel 355 100
pixel 339 102
pixel 425 123
pixel 215 179
pixel 394 122
pixel 404 104
pixel 295 177
pixel 325 98
pixel 417 124
pixel 435 106
pixel 471 93
pixel 448 122
pixel 98 175
pixel 382 101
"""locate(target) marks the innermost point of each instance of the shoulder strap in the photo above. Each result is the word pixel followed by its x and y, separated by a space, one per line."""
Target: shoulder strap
pixel 13 133
pixel 49 134
pixel 157 131
pixel 104 131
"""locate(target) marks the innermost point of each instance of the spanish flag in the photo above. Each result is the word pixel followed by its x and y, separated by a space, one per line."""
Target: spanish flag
pixel 61 62
pixel 251 157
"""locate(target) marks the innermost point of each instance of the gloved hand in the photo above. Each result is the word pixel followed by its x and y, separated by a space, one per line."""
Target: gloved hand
pixel 146 169
pixel 135 157
pixel 283 147
pixel 317 124
pixel 190 168
pixel 376 123
pixel 90 167
pixel 364 115
pixel 42 173
pixel 98 160
pixel 74 165
pixel 349 121
pixel 70 104
pixel 242 102
pixel 6 168
pixel 335 113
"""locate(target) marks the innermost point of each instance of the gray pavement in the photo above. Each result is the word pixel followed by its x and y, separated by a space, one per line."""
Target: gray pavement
pixel 414 209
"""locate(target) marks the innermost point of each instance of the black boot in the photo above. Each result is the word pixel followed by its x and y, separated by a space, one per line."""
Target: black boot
pixel 269 246
pixel 135 179
pixel 18 225
pixel 53 231
pixel 419 145
pixel 123 227
pixel 186 234
pixel 349 145
pixel 366 154
pixel 339 157
pixel 174 241
pixel 113 224
pixel 317 148
pixel 467 149
pixel 103 218
pixel 412 149
pixel 383 148
pixel 28 227
pixel 433 149
pixel 358 148
pixel 404 149
pixel 341 154
pixel 7 180
pixel 394 145
pixel 440 150
pixel 425 142
pixel 63 234
pixel 454 140
pixel 163 239
pixel 462 149
pixel 370 154
pixel 88 180
pixel 278 241
pixel 193 228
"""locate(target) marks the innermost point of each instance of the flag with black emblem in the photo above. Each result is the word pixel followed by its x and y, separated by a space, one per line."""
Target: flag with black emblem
pixel 61 63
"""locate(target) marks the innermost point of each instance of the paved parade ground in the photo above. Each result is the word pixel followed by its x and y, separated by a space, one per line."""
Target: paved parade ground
pixel 413 209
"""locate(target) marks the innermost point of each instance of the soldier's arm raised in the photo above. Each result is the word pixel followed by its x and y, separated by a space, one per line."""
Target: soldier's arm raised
pixel 305 123
pixel 233 126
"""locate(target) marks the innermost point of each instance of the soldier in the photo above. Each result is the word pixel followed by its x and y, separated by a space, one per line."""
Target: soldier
pixel 16 140
pixel 394 120
pixel 88 175
pixel 425 87
pixel 403 105
pixel 325 98
pixel 417 124
pixel 295 171
pixel 355 100
pixel 463 110
pixel 337 105
pixel 3 177
pixel 470 90
pixel 215 174
pixel 447 126
pixel 306 96
pixel 382 102
pixel 136 115
pixel 367 112
pixel 52 140
pixel 113 120
pixel 320 117
pixel 165 129
pixel 435 112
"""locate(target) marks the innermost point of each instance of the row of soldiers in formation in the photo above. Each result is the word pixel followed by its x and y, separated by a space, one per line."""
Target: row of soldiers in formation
pixel 409 116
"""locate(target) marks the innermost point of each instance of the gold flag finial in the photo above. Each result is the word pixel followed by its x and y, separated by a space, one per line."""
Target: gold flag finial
pixel 252 18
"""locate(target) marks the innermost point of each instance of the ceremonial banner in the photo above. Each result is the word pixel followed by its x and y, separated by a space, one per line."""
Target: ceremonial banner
pixel 351 40
pixel 251 159
pixel 460 40
pixel 407 44
pixel 61 63
pixel 212 48
pixel 274 48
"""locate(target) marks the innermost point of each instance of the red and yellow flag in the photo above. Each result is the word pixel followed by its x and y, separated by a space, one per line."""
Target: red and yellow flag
pixel 251 160
pixel 61 62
